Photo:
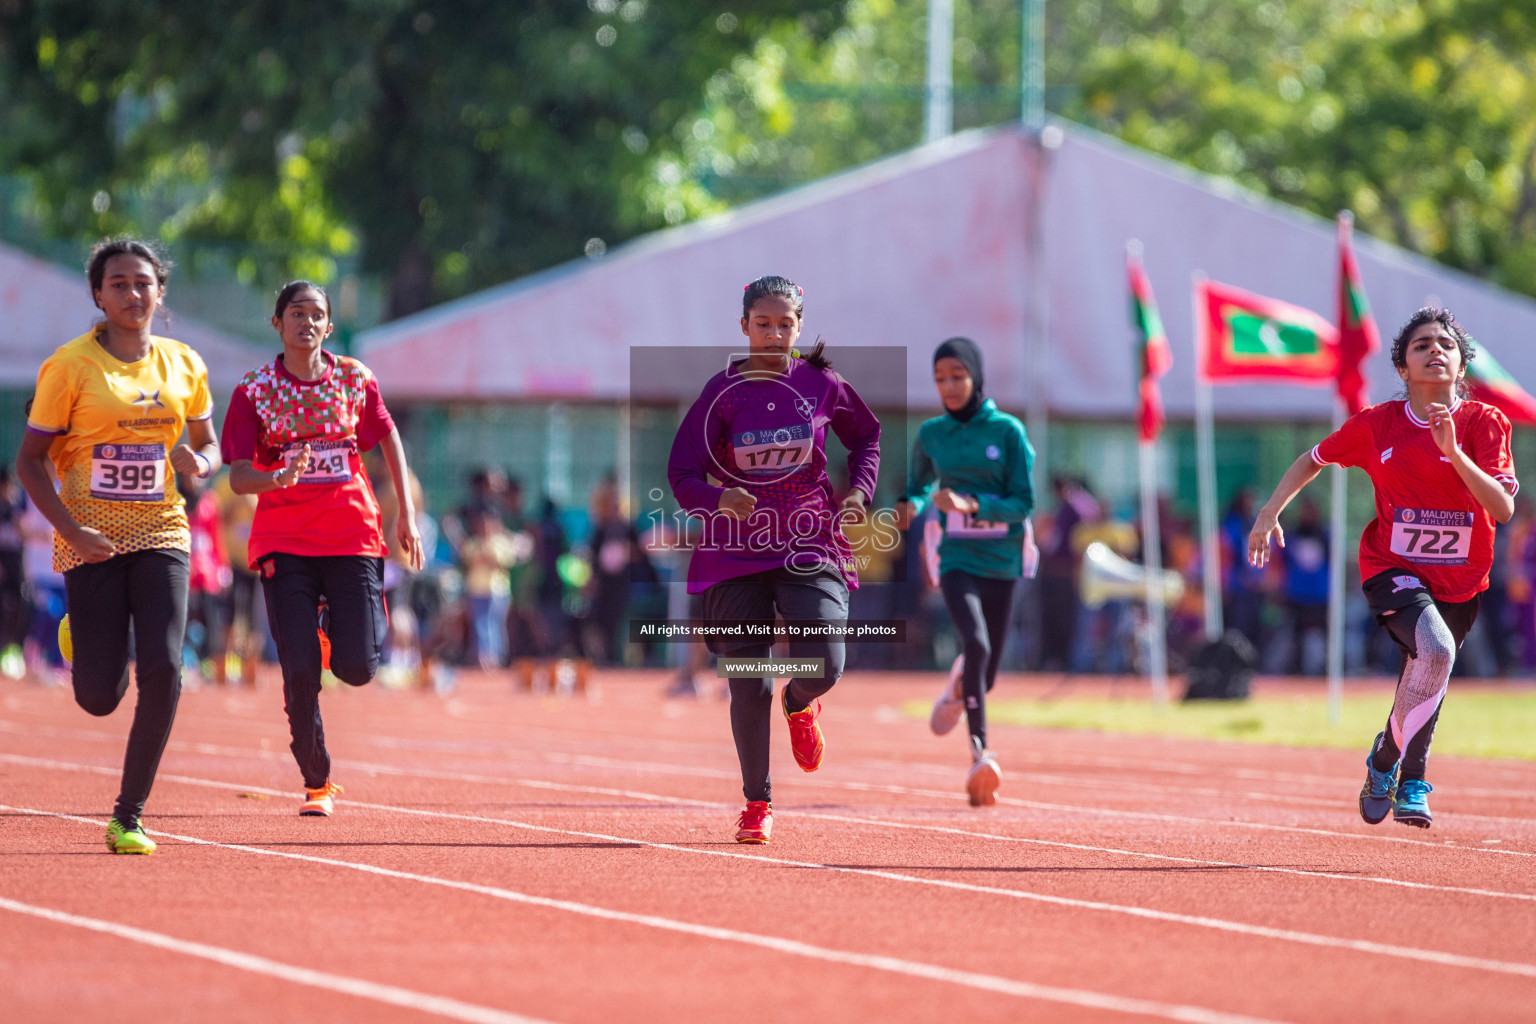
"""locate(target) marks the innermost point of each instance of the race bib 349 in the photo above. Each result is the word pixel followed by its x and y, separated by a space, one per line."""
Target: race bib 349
pixel 330 462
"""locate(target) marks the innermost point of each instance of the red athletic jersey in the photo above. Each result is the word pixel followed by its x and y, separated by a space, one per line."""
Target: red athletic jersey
pixel 331 510
pixel 1427 521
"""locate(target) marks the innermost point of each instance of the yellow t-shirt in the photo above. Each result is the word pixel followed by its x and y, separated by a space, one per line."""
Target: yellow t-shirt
pixel 115 424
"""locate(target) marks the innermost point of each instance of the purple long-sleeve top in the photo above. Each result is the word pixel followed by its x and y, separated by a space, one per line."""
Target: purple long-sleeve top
pixel 767 434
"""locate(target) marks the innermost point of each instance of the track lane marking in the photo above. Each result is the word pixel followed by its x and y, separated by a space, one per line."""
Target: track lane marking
pixel 951 796
pixel 556 757
pixel 1146 913
pixel 894 965
pixel 431 773
pixel 441 1006
pixel 492 748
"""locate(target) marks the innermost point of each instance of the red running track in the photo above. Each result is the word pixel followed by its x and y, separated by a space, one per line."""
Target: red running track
pixel 501 857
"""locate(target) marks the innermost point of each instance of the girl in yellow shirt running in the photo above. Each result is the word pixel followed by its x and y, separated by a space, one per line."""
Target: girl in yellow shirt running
pixel 109 409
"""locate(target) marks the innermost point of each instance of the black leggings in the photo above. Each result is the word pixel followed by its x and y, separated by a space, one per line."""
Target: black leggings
pixel 822 597
pixel 979 608
pixel 149 590
pixel 353 589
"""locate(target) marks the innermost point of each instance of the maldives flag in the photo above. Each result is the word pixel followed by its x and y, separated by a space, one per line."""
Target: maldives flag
pixel 1154 357
pixel 1358 339
pixel 1241 336
pixel 1491 383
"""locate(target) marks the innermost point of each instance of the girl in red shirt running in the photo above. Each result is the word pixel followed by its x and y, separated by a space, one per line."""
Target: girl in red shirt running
pixel 295 434
pixel 1443 475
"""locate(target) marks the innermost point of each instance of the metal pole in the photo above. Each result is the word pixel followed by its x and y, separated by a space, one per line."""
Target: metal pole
pixel 1340 479
pixel 1032 52
pixel 1152 561
pixel 1036 315
pixel 1205 443
pixel 623 468
pixel 939 116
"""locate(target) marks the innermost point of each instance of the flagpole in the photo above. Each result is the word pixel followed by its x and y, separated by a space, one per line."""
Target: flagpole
pixel 1152 561
pixel 1205 444
pixel 1340 480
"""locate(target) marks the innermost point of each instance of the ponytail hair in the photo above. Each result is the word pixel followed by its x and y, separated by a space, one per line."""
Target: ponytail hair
pixel 816 357
pixel 783 288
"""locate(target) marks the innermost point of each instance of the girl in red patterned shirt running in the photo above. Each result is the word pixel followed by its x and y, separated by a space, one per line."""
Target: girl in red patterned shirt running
pixel 1443 476
pixel 295 434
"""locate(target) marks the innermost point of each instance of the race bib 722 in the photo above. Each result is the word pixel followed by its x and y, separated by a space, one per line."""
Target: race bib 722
pixel 1431 536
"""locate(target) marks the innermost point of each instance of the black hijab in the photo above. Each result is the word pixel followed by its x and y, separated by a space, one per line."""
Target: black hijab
pixel 965 350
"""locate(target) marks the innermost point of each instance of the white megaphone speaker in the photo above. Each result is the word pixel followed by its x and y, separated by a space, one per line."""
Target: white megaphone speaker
pixel 1105 576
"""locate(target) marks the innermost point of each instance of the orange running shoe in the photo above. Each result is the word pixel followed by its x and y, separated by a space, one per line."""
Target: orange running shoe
pixel 755 824
pixel 985 776
pixel 321 802
pixel 805 737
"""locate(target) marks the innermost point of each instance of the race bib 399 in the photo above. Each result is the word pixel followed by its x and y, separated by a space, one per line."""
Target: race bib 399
pixel 128 472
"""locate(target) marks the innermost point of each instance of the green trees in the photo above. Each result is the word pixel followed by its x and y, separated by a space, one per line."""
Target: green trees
pixel 448 147
pixel 1419 116
pixel 455 145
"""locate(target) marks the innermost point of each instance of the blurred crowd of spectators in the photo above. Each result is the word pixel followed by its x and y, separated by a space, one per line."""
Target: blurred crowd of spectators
pixel 548 592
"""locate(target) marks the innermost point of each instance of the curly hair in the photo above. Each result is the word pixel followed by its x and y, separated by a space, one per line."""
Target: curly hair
pixel 1446 319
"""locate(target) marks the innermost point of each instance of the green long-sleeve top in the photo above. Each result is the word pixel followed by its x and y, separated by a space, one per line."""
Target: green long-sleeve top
pixel 990 459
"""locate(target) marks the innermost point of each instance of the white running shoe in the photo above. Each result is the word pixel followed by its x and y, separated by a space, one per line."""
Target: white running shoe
pixel 981 784
pixel 950 706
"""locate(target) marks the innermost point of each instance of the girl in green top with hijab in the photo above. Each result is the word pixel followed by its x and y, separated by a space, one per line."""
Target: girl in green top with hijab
pixel 980 460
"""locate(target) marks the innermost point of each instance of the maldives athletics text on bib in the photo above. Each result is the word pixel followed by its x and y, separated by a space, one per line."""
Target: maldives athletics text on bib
pixel 773 451
pixel 1430 535
pixel 128 472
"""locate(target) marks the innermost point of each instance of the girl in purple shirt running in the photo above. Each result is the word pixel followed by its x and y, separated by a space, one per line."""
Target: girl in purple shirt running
pixel 750 461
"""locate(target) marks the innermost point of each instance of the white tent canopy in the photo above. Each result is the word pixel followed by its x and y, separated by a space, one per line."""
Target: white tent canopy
pixel 43 306
pixel 929 244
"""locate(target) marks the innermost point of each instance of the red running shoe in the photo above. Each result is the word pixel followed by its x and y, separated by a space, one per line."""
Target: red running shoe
pixel 805 737
pixel 755 824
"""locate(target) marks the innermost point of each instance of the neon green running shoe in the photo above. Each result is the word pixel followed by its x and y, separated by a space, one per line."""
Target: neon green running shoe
pixel 128 840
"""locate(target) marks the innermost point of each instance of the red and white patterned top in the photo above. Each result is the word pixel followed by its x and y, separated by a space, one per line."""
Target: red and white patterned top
pixel 332 509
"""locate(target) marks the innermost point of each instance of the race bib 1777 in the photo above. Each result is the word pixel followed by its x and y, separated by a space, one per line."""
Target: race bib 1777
pixel 1431 536
pixel 774 451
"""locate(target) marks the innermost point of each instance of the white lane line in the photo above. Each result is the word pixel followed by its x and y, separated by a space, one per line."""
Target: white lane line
pixel 893 965
pixel 440 1006
pixel 433 773
pixel 951 796
pixel 1050 760
pixel 1198 921
pixel 1213 770
pixel 430 773
pixel 588 760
